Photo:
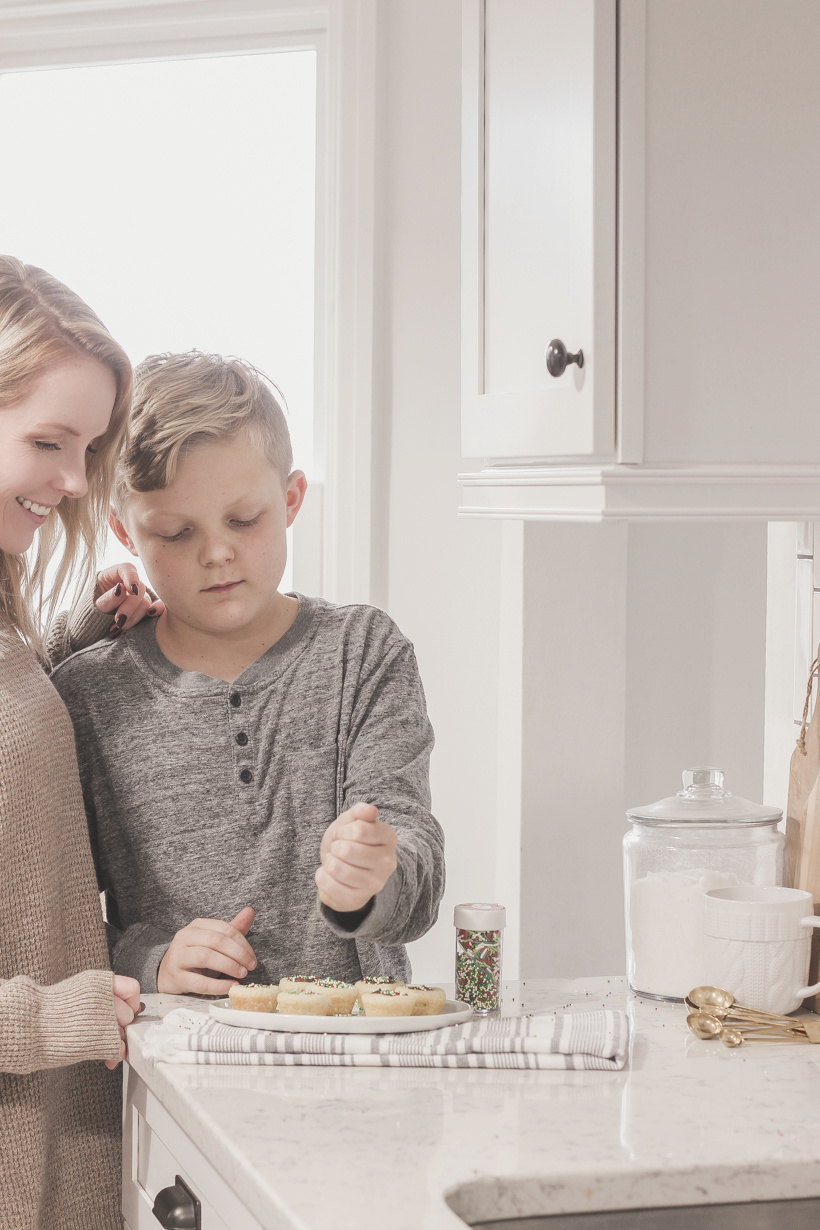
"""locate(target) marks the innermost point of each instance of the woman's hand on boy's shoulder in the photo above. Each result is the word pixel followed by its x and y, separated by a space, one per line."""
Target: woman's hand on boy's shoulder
pixel 121 594
pixel 358 857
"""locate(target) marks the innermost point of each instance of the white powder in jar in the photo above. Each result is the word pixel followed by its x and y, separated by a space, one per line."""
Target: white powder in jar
pixel 666 916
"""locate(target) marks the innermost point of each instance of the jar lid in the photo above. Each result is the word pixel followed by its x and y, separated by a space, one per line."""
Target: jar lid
pixel 479 916
pixel 703 800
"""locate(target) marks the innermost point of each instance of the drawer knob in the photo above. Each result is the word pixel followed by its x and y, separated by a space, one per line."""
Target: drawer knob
pixel 177 1208
pixel 558 357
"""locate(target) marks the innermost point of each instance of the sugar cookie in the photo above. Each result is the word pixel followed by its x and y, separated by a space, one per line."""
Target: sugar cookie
pixel 296 982
pixel 253 997
pixel 429 1000
pixel 373 982
pixel 342 995
pixel 389 1001
pixel 309 1001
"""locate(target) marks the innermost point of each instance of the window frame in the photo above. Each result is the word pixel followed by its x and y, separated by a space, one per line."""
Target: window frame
pixel 332 535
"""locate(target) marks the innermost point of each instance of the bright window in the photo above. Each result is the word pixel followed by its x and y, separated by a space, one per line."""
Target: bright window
pixel 178 198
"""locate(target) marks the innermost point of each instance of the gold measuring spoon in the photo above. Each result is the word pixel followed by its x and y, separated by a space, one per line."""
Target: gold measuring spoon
pixel 707 1027
pixel 736 1037
pixel 731 1017
pixel 720 1003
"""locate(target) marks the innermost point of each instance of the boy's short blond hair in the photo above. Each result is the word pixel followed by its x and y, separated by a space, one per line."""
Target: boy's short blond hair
pixel 186 399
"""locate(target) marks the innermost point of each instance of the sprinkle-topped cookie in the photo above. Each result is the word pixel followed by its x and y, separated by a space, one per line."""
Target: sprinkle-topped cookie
pixel 297 981
pixel 342 995
pixel 253 997
pixel 305 1001
pixel 429 1000
pixel 394 1000
pixel 373 981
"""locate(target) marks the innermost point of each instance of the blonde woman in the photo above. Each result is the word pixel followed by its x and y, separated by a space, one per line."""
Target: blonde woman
pixel 65 387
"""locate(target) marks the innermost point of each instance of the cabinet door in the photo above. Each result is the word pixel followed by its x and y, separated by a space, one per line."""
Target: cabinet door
pixel 538 226
pixel 155 1151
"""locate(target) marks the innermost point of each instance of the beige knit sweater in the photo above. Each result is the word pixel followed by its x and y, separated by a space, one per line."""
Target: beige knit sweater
pixel 59 1105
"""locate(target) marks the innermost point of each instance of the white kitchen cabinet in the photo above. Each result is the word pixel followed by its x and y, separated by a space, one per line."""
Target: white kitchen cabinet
pixel 539 221
pixel 156 1152
pixel 641 179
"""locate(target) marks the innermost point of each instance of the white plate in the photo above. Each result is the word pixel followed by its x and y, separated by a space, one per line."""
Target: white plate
pixel 454 1013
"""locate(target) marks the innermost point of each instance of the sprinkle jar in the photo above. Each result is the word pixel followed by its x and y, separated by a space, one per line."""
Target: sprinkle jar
pixel 479 929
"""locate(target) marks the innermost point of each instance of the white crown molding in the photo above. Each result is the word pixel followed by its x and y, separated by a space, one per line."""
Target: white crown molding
pixel 39 13
pixel 103 31
pixel 631 493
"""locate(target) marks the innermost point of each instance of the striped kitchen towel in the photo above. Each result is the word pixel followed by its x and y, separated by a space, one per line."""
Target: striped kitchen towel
pixel 569 1040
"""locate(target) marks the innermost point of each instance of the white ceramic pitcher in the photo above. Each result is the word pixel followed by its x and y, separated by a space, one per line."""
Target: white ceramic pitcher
pixel 758 945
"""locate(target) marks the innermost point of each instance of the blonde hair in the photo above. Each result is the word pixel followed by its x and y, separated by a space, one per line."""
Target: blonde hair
pixel 184 399
pixel 43 324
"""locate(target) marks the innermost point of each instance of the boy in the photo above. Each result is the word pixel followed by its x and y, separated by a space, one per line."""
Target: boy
pixel 246 748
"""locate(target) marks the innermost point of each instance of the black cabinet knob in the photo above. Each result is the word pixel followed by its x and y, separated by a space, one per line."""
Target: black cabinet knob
pixel 177 1208
pixel 558 357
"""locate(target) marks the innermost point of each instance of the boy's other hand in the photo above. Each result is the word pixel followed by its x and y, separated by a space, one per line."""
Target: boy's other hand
pixel 358 857
pixel 207 945
pixel 126 1006
pixel 121 594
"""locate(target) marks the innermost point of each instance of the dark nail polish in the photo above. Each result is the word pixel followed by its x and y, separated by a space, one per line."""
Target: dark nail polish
pixel 142 1006
pixel 135 589
pixel 118 590
pixel 152 610
pixel 115 632
pixel 120 620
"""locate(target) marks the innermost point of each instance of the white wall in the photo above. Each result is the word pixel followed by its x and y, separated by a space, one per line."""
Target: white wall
pixel 439 572
pixel 644 653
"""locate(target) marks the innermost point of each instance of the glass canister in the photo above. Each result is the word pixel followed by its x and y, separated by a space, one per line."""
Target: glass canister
pixel 479 936
pixel 700 838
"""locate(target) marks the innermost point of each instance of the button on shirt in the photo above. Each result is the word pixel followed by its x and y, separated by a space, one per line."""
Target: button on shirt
pixel 203 797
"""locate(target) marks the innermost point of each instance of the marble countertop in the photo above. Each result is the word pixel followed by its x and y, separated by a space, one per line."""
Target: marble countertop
pixel 687 1122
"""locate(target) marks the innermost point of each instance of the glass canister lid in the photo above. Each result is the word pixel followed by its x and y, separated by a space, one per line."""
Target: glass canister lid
pixel 704 800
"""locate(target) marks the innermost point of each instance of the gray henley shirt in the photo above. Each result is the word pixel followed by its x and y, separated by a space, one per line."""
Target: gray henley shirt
pixel 204 796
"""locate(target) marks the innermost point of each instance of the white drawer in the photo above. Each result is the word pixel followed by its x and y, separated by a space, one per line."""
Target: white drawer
pixel 155 1150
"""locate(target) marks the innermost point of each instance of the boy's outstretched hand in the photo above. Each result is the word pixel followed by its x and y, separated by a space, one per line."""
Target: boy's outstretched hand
pixel 358 857
pixel 206 945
